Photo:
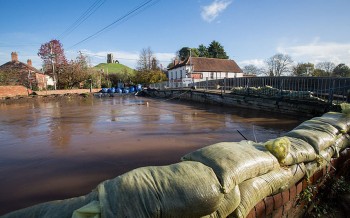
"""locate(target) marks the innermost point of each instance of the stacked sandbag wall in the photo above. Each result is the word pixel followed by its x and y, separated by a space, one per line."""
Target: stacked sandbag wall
pixel 286 203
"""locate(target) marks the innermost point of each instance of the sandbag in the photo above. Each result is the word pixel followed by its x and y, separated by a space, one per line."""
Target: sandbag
pixel 290 151
pixel 55 209
pixel 338 120
pixel 234 162
pixel 91 210
pixel 340 144
pixel 319 126
pixel 186 189
pixel 322 160
pixel 256 189
pixel 319 140
pixel 228 205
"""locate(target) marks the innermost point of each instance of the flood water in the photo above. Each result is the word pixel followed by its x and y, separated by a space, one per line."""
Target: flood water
pixel 56 149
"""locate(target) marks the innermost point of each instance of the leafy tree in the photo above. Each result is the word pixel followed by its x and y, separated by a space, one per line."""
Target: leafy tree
pixel 52 54
pixel 203 51
pixel 115 78
pixel 303 69
pixel 326 67
pixel 341 71
pixel 72 74
pixel 278 64
pixel 319 73
pixel 252 69
pixel 185 52
pixel 148 71
pixel 216 50
pixel 155 76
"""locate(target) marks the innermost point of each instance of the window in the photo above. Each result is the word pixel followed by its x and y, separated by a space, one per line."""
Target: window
pixel 211 75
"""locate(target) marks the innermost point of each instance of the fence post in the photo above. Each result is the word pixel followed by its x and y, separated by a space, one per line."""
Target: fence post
pixel 248 80
pixel 281 87
pixel 225 85
pixel 331 91
pixel 206 79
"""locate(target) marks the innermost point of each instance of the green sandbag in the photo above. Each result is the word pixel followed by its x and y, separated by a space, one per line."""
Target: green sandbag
pixel 322 160
pixel 340 144
pixel 338 120
pixel 234 162
pixel 228 205
pixel 290 151
pixel 187 189
pixel 91 210
pixel 319 140
pixel 256 189
pixel 54 209
pixel 319 126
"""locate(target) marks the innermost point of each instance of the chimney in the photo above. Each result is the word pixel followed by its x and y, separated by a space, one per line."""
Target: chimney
pixel 176 61
pixel 14 56
pixel 29 62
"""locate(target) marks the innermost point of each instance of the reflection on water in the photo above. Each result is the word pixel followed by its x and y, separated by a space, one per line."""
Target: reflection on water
pixel 63 148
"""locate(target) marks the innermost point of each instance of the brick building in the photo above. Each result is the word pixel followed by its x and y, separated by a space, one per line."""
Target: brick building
pixel 23 74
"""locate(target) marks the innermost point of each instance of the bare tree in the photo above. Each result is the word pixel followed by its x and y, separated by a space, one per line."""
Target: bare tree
pixel 146 59
pixel 327 67
pixel 279 64
pixel 252 69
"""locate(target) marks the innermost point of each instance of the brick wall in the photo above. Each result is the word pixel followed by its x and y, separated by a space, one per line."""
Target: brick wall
pixel 12 91
pixel 284 204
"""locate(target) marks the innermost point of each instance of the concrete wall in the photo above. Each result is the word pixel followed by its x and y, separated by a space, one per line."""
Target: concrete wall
pixel 271 104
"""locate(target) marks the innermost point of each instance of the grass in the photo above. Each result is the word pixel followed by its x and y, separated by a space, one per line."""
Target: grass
pixel 114 68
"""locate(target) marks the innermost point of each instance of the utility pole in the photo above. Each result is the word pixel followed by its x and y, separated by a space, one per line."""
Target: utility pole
pixel 53 66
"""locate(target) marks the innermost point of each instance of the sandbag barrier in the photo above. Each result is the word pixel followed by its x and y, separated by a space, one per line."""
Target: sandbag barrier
pixel 228 179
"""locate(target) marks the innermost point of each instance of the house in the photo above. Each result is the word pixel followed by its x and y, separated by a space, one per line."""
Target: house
pixel 24 74
pixel 196 69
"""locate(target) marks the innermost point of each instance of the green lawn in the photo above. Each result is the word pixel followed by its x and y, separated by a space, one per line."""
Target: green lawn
pixel 114 68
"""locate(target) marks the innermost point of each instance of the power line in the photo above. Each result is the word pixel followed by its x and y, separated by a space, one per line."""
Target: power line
pixel 134 11
pixel 92 9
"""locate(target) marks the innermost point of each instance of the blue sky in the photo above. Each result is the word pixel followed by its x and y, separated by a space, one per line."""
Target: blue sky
pixel 250 30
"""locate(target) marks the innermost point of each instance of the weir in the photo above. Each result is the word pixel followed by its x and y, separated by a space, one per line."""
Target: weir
pixel 307 107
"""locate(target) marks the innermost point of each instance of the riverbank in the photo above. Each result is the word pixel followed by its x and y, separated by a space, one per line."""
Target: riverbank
pixel 20 94
pixel 283 105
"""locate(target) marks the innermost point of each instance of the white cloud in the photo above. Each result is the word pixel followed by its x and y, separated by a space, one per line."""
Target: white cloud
pixel 260 63
pixel 318 51
pixel 210 12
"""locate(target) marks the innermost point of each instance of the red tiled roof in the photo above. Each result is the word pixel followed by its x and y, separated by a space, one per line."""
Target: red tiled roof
pixel 18 66
pixel 201 64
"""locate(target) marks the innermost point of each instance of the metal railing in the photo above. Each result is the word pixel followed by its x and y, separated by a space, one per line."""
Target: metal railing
pixel 330 89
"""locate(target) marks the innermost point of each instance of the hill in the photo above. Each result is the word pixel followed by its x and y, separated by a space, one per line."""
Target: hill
pixel 114 68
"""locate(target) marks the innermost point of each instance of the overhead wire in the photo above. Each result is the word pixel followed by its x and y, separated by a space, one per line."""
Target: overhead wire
pixel 91 10
pixel 122 18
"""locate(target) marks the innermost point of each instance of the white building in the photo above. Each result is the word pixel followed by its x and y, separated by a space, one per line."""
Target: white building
pixel 196 69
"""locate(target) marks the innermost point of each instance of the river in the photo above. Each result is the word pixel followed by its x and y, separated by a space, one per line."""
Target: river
pixel 60 148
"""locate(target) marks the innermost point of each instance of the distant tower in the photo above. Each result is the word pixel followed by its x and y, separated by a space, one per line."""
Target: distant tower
pixel 14 56
pixel 109 58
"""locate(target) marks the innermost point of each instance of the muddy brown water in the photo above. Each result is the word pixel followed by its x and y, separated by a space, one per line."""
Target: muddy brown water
pixel 57 149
